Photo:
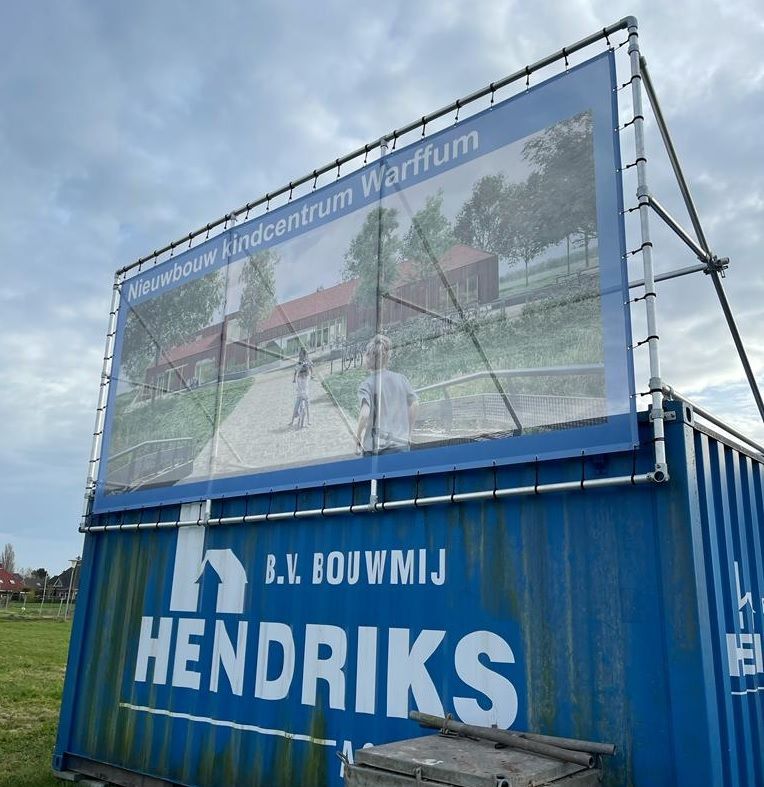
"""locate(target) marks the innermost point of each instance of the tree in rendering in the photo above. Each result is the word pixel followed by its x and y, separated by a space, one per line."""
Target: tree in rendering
pixel 527 236
pixel 373 255
pixel 156 325
pixel 564 157
pixel 429 237
pixel 484 220
pixel 258 292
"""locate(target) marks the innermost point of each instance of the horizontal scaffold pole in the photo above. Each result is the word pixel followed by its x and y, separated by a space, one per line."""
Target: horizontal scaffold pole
pixel 421 122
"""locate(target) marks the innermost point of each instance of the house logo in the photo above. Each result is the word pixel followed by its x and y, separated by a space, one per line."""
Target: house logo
pixel 192 561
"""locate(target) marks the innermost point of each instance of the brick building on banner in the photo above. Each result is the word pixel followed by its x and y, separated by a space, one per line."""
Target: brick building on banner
pixel 323 320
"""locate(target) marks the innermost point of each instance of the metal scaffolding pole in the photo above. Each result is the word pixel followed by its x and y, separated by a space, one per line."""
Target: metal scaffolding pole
pixel 656 384
pixel 713 270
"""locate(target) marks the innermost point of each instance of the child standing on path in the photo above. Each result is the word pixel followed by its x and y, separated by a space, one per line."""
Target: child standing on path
pixel 388 404
pixel 301 378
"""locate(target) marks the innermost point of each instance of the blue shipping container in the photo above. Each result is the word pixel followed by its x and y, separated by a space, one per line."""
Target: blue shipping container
pixel 252 653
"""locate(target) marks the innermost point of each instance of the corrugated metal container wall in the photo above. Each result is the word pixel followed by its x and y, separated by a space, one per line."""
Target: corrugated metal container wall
pixel 252 653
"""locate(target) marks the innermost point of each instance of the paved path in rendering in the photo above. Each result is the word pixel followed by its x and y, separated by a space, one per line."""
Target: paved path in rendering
pixel 256 435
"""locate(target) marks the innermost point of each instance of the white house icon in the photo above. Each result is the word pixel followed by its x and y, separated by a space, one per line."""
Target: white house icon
pixel 191 562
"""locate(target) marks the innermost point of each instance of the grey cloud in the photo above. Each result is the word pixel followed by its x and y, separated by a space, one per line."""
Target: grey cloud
pixel 126 125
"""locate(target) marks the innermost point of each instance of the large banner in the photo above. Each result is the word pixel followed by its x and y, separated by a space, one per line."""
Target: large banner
pixel 460 301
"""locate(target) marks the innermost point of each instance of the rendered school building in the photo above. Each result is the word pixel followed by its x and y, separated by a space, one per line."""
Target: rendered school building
pixel 323 320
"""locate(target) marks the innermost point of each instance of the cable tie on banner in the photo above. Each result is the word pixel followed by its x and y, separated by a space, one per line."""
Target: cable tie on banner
pixel 291 189
pixel 416 491
pixel 633 464
pixel 323 499
pixel 267 202
pixel 395 139
pixel 380 497
pixel 315 179
pixel 628 82
pixel 424 124
pixel 536 481
pixel 495 480
pixel 493 92
pixel 639 159
pixel 190 238
pixel 583 469
pixel 640 248
pixel 365 153
pixel 458 107
pixel 628 210
pixel 630 122
pixel 206 237
pixel 296 501
pixel 607 37
pixel 337 162
pixel 172 249
pixel 565 55
pixel 352 495
pixel 249 208
pixel 645 341
pixel 270 503
pixel 453 483
pixel 225 224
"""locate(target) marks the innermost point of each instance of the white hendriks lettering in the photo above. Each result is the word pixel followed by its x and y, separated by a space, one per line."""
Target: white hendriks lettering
pixel 324 662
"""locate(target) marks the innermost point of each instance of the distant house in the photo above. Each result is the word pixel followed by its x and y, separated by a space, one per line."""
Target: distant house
pixel 9 582
pixel 58 587
pixel 325 318
pixel 33 584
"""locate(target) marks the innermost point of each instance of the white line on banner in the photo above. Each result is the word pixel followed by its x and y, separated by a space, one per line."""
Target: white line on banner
pixel 225 723
pixel 747 691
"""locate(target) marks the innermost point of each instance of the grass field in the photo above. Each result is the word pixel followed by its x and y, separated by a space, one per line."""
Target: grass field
pixel 32 663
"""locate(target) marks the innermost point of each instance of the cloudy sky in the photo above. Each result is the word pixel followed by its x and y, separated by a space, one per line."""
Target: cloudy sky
pixel 125 125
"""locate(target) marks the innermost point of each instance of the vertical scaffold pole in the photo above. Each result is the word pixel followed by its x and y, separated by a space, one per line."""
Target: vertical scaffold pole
pixel 656 384
pixel 103 394
pixel 373 492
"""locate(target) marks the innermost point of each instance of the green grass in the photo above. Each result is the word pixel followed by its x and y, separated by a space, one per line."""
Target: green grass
pixel 546 273
pixel 32 664
pixel 32 610
pixel 185 414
